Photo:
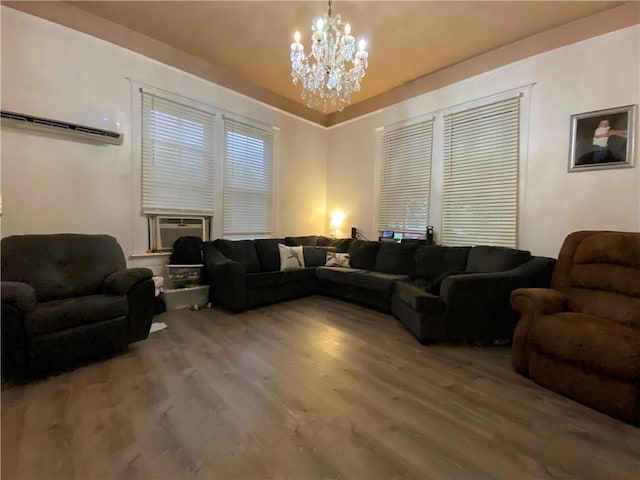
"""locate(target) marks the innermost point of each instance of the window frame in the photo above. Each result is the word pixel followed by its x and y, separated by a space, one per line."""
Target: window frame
pixel 393 152
pixel 264 185
pixel 493 232
pixel 178 156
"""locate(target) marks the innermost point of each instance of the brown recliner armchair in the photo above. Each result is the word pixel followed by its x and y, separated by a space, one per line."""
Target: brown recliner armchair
pixel 581 338
pixel 67 297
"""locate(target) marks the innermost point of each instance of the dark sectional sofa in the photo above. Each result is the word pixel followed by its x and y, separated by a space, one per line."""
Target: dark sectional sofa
pixel 437 292
pixel 246 273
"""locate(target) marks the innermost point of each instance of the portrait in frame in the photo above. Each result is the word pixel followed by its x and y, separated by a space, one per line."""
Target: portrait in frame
pixel 603 139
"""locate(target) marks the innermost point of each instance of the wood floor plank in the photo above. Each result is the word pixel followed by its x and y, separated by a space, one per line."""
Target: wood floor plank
pixel 359 389
pixel 313 388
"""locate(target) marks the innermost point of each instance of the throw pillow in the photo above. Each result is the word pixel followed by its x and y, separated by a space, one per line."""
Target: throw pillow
pixel 315 256
pixel 337 259
pixel 291 258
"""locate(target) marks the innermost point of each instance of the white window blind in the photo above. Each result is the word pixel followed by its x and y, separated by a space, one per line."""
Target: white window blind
pixel 177 157
pixel 248 180
pixel 405 179
pixel 480 177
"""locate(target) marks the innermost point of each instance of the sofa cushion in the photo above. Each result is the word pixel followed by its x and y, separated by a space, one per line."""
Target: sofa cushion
pixel 398 258
pixel 61 265
pixel 436 283
pixel 268 253
pixel 336 275
pixel 485 259
pixel 382 283
pixel 422 283
pixel 309 240
pixel 315 256
pixel 72 312
pixel 590 342
pixel 20 295
pixel 291 258
pixel 418 299
pixel 362 254
pixel 433 260
pixel 323 241
pixel 122 281
pixel 604 279
pixel 616 248
pixel 340 244
pixel 273 279
pixel 242 251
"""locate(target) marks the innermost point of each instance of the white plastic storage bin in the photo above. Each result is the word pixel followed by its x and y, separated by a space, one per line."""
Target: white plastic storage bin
pixel 178 299
pixel 183 276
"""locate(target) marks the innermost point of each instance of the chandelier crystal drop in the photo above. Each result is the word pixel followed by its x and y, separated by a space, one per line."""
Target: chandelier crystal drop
pixel 333 70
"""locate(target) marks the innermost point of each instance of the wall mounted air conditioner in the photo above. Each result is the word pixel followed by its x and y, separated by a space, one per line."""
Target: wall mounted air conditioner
pixel 105 128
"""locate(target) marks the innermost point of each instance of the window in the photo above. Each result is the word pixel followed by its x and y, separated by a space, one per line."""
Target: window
pixel 248 180
pixel 480 177
pixel 177 158
pixel 177 170
pixel 405 179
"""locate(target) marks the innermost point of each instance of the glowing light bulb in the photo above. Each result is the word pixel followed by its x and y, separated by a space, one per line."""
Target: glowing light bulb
pixel 296 37
pixel 347 29
pixel 319 24
pixel 362 45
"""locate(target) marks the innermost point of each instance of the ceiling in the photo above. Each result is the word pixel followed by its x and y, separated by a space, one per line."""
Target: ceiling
pixel 406 40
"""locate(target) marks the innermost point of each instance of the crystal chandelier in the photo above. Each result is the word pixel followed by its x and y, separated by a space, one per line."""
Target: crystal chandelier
pixel 333 70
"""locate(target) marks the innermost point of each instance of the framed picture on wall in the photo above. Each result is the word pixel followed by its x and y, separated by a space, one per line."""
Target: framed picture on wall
pixel 603 139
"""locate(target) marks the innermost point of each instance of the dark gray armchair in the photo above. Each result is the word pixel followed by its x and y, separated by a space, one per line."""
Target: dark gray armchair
pixel 67 297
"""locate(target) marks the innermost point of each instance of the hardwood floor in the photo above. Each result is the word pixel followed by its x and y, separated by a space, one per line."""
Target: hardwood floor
pixel 313 388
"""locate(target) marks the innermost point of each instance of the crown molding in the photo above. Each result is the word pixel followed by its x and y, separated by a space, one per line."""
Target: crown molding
pixel 67 15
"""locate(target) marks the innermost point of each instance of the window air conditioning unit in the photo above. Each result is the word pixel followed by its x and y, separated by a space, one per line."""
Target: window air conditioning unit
pixel 103 128
pixel 169 229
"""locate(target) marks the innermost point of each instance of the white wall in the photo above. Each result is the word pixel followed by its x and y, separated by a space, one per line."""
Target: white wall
pixel 54 184
pixel 602 72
